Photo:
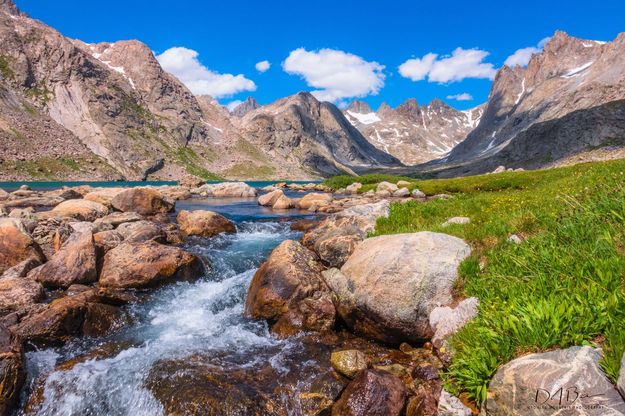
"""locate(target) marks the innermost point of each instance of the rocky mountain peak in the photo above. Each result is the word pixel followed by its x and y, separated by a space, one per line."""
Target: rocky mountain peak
pixel 9 7
pixel 410 109
pixel 385 111
pixel 360 107
pixel 250 104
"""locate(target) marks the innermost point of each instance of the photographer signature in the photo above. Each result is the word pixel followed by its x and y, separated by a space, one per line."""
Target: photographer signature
pixel 564 395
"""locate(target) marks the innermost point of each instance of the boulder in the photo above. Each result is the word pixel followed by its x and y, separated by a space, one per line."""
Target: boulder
pixel 78 314
pixel 52 230
pixel 568 381
pixel 4 195
pixel 140 231
pixel 79 209
pixel 143 201
pixel 337 235
pixel 386 186
pixel 353 188
pixel 383 193
pixel 500 169
pixel 403 184
pixel 284 202
pixel 16 244
pixel 515 239
pixel 413 272
pixel 12 373
pixel 114 220
pixel 317 199
pixel 204 223
pixel 105 241
pixel 288 290
pixel 103 196
pixel 304 224
pixel 75 262
pixel 134 265
pixel 401 193
pixel 372 393
pixel 456 220
pixel 446 321
pixel 416 193
pixel 21 269
pixel 349 362
pixel 17 293
pixel 227 189
pixel 270 198
pixel 449 405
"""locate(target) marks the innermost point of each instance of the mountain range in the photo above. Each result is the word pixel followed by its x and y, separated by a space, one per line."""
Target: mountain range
pixel 72 110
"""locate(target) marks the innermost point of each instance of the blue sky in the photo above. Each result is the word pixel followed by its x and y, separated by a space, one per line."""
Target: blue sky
pixel 337 48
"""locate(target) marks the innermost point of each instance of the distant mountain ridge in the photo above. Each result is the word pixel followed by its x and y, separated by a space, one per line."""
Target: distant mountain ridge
pixel 413 133
pixel 568 101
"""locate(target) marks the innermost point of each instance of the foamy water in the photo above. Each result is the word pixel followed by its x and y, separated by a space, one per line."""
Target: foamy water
pixel 177 321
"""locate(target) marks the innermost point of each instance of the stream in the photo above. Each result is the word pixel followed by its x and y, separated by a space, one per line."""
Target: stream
pixel 181 321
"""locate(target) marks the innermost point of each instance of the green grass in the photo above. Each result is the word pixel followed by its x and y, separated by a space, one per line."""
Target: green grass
pixel 249 170
pixel 5 68
pixel 563 286
pixel 338 182
pixel 192 164
pixel 45 168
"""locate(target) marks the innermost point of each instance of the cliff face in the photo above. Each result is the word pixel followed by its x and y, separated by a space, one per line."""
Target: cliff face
pixel 569 99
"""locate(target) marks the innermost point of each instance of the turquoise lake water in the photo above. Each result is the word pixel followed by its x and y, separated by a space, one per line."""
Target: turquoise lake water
pixel 10 186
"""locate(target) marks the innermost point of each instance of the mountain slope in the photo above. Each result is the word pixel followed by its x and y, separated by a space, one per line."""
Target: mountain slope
pixel 138 121
pixel 569 99
pixel 412 133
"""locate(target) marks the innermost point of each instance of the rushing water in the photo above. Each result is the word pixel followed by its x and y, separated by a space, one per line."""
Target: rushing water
pixel 176 321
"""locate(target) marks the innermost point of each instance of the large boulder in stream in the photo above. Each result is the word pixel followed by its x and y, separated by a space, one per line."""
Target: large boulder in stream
pixel 75 262
pixel 135 265
pixel 226 190
pixel 204 223
pixel 16 244
pixel 87 312
pixel 289 291
pixel 338 235
pixel 568 381
pixel 390 284
pixel 143 201
pixel 11 370
pixel 372 393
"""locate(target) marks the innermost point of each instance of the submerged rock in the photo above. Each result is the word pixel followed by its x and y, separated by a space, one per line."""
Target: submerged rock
pixel 372 393
pixel 349 362
pixel 143 201
pixel 134 265
pixel 16 244
pixel 412 272
pixel 288 290
pixel 204 223
pixel 570 381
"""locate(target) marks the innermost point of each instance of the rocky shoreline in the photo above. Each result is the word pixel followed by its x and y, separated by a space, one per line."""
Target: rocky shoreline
pixel 373 313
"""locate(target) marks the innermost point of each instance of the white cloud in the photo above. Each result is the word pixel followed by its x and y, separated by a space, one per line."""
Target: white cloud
pixel 184 64
pixel 233 104
pixel 465 96
pixel 417 69
pixel 521 57
pixel 335 74
pixel 461 64
pixel 263 66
